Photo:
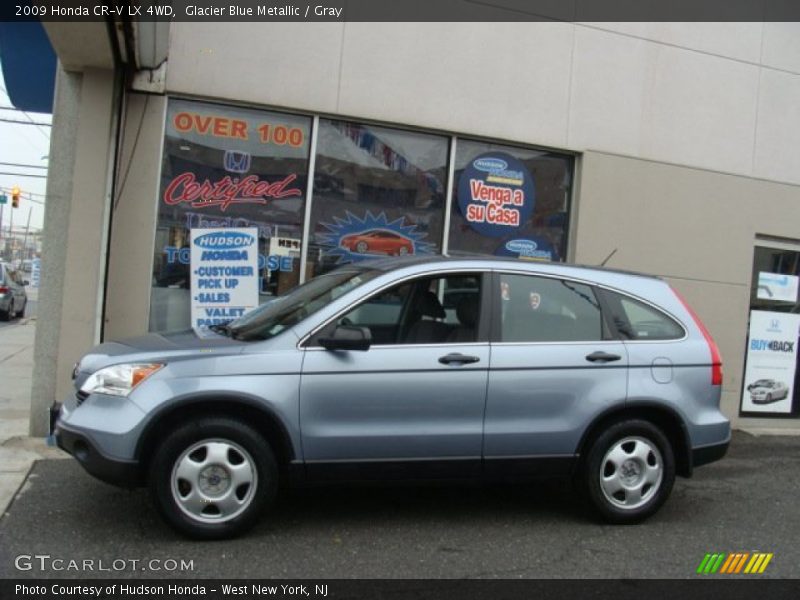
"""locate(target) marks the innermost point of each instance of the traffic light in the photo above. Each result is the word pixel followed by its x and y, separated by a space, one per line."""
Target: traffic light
pixel 15 196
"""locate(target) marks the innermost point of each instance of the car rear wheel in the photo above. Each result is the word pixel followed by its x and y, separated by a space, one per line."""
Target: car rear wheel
pixel 629 471
pixel 211 479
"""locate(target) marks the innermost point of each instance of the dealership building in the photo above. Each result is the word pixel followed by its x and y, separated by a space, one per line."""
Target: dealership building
pixel 664 148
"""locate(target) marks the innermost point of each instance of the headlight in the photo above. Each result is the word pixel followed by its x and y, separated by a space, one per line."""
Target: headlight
pixel 119 380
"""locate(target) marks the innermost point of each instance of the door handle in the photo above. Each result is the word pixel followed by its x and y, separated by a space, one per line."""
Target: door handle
pixel 455 357
pixel 602 357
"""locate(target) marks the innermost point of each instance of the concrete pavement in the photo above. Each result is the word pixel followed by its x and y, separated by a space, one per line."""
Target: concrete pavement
pixel 17 450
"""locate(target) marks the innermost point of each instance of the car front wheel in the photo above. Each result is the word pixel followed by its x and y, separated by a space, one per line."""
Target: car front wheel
pixel 629 471
pixel 212 478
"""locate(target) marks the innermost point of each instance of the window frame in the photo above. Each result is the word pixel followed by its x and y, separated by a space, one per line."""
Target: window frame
pixel 310 341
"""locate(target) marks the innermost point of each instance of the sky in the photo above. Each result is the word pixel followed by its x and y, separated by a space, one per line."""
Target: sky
pixel 23 144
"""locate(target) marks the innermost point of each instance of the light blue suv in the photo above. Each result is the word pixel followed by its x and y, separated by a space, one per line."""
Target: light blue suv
pixel 410 368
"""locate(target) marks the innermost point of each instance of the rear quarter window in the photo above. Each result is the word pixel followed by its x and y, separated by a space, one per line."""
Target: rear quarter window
pixel 635 320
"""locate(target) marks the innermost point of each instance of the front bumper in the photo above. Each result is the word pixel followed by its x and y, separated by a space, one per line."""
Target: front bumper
pixel 117 472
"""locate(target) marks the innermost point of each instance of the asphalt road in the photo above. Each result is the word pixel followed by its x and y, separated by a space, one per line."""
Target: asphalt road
pixel 747 502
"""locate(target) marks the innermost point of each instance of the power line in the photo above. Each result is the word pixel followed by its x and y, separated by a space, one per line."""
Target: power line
pixel 8 164
pixel 8 189
pixel 14 108
pixel 32 122
pixel 27 116
pixel 23 175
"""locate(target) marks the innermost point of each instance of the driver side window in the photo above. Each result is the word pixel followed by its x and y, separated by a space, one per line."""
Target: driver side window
pixel 429 310
pixel 381 314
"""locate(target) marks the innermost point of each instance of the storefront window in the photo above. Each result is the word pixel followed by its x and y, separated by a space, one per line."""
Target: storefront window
pixel 377 192
pixel 228 167
pixel 771 380
pixel 510 201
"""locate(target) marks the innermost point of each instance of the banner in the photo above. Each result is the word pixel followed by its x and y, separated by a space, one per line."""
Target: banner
pixel 36 271
pixel 496 194
pixel 224 274
pixel 771 362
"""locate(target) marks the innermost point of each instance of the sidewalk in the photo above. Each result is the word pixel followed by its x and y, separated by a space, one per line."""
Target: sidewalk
pixel 18 451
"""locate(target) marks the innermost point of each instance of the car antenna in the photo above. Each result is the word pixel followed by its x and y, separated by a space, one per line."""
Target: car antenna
pixel 613 252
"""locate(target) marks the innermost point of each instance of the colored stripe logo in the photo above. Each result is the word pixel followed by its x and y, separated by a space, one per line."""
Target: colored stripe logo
pixel 734 563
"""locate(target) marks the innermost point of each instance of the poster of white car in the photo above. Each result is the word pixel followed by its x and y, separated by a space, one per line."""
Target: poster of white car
pixel 769 372
pixel 764 391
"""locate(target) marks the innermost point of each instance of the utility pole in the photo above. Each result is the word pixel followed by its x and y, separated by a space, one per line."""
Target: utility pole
pixel 11 234
pixel 27 229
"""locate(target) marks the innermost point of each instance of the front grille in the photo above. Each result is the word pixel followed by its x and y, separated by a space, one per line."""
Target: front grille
pixel 81 396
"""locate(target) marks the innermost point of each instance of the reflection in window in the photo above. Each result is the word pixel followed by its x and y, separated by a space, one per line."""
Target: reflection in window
pixel 377 192
pixel 539 309
pixel 637 321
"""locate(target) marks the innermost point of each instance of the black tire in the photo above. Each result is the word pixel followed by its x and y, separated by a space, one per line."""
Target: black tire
pixel 213 429
pixel 21 313
pixel 641 436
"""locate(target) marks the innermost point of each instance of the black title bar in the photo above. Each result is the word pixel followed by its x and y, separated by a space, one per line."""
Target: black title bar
pixel 732 588
pixel 403 10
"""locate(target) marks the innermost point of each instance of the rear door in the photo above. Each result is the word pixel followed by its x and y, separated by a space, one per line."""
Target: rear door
pixel 555 366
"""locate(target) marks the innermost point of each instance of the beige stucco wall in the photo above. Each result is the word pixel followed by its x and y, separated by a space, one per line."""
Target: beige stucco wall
pixel 695 227
pixel 73 259
pixel 85 252
pixel 134 220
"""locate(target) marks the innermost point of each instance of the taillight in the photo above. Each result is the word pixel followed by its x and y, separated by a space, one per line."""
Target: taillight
pixel 716 359
pixel 3 290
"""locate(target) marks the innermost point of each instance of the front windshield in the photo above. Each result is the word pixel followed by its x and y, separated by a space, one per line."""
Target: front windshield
pixel 268 320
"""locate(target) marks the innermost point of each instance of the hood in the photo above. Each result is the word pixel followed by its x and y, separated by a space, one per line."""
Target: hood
pixel 154 347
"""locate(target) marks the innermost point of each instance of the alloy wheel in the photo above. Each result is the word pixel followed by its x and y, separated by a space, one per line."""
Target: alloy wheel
pixel 214 480
pixel 631 472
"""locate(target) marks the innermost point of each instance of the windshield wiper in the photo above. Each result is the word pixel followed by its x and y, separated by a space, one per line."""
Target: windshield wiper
pixel 223 328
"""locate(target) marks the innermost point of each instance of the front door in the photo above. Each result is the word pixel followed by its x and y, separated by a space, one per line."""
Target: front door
pixel 412 405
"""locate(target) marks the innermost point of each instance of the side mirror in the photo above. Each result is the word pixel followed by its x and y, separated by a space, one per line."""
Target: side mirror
pixel 347 337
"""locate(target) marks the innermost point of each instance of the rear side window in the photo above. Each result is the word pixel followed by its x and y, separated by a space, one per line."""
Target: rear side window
pixel 639 321
pixel 541 309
